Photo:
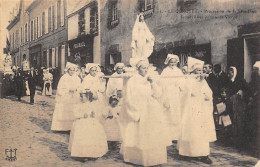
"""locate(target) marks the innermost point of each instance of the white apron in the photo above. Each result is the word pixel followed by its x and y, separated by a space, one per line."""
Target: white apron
pixel 65 101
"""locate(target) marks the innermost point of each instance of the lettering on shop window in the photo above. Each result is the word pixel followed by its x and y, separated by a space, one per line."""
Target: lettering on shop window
pixel 78 45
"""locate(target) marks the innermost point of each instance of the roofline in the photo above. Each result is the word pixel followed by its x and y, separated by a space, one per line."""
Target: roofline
pixel 33 5
pixel 90 4
pixel 16 19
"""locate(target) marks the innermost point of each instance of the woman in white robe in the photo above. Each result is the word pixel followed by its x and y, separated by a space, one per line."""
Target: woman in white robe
pixel 47 85
pixel 95 85
pixel 171 98
pixel 197 121
pixel 115 84
pixel 67 97
pixel 145 138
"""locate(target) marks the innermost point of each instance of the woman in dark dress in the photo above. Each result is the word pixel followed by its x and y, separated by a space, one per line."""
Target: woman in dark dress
pixel 237 90
pixel 19 84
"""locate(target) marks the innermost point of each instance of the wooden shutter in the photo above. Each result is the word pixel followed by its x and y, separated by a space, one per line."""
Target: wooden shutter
pixel 62 13
pixel 62 58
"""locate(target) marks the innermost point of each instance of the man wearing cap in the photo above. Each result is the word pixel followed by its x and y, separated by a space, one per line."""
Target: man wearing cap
pixel 198 128
pixel 67 96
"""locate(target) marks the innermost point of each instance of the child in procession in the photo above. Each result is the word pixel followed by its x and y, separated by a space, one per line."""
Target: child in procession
pixel 87 137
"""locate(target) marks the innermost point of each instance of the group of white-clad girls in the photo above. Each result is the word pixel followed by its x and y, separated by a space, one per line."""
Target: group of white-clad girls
pixel 145 111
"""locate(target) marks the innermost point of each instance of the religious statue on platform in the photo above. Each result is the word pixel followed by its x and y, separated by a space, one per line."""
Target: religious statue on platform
pixel 142 40
pixel 7 65
pixel 25 64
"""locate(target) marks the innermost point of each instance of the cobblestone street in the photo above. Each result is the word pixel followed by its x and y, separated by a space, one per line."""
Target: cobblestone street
pixel 27 128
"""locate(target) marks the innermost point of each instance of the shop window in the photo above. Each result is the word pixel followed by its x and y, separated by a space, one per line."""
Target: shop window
pixel 94 20
pixel 44 60
pixel 146 7
pixel 50 57
pixel 81 23
pixel 187 5
pixel 113 14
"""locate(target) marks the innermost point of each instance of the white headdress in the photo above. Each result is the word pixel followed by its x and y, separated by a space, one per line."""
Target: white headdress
pixel 194 63
pixel 119 65
pixel 171 56
pixel 142 63
pixel 90 65
pixel 235 73
pixel 70 66
pixel 257 65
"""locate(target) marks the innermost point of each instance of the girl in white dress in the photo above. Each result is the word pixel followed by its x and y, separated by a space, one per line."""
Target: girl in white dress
pixel 111 120
pixel 87 137
pixel 47 85
pixel 96 86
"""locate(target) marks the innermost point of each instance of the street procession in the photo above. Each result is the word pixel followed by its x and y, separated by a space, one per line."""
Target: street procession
pixel 133 100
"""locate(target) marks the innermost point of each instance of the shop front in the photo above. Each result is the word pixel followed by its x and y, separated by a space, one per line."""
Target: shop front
pixel 184 49
pixel 81 49
pixel 35 56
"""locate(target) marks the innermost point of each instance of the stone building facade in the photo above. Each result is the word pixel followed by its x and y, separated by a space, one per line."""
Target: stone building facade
pixel 42 34
pixel 210 30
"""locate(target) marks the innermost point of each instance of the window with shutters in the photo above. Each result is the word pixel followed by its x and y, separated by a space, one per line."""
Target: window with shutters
pixel 94 20
pixel 36 28
pixel 113 14
pixel 25 32
pixel 43 23
pixel 21 34
pixel 13 41
pixel 81 23
pixel 187 5
pixel 49 19
pixel 146 7
pixel 62 12
pixel 31 30
pixel 17 38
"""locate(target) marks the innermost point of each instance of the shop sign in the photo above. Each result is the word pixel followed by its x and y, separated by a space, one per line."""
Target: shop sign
pixel 79 45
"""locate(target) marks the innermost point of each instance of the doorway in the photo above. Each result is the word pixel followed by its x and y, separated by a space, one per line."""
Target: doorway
pixel 251 55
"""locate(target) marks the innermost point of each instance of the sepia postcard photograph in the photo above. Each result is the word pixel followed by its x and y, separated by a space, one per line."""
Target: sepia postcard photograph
pixel 129 83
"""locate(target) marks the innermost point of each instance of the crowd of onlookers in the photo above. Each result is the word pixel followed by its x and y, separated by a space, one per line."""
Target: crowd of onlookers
pixel 19 81
pixel 235 105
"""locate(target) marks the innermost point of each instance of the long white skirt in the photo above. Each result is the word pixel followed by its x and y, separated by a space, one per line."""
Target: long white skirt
pixel 87 139
pixel 145 142
pixel 63 117
pixel 196 136
pixel 112 129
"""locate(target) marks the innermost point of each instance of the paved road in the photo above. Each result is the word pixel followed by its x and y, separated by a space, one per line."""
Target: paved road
pixel 27 128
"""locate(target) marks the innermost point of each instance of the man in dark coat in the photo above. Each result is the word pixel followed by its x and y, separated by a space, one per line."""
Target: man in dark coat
pixel 210 78
pixel 221 79
pixel 32 81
